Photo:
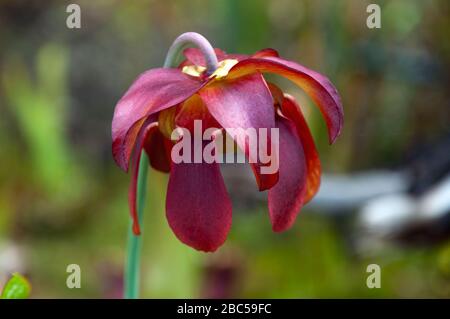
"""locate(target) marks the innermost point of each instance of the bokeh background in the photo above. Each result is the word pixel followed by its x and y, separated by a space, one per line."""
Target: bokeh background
pixel 385 194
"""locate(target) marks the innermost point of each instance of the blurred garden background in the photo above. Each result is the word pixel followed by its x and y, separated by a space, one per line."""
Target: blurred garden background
pixel 385 195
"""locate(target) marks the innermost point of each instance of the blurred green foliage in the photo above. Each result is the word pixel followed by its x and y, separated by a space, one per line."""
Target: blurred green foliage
pixel 16 288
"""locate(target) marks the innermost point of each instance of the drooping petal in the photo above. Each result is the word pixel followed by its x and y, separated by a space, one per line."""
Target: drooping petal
pixel 153 91
pixel 129 142
pixel 277 94
pixel 158 149
pixel 268 52
pixel 316 85
pixel 292 110
pixel 148 126
pixel 286 198
pixel 240 106
pixel 198 207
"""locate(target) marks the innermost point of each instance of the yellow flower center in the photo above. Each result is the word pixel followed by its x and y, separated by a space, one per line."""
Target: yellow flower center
pixel 193 70
pixel 221 71
pixel 224 67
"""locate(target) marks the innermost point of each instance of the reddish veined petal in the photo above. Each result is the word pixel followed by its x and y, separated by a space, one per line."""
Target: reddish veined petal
pixel 148 126
pixel 157 148
pixel 268 52
pixel 264 181
pixel 316 85
pixel 292 110
pixel 153 91
pixel 277 94
pixel 244 103
pixel 198 207
pixel 194 109
pixel 286 198
pixel 125 150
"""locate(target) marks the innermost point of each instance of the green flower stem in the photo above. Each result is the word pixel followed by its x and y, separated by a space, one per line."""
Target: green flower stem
pixel 134 242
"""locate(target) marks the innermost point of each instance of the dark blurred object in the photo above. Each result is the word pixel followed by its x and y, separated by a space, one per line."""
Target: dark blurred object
pixel 428 164
pixel 409 220
pixel 22 13
pixel 221 276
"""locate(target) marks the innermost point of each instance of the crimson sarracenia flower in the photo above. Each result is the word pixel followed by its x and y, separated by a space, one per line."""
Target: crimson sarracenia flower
pixel 236 95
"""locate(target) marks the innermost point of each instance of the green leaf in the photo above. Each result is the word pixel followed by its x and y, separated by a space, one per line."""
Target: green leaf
pixel 17 287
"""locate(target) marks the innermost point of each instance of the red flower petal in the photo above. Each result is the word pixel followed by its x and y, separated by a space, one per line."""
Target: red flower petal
pixel 292 110
pixel 243 103
pixel 194 109
pixel 316 85
pixel 158 149
pixel 268 52
pixel 198 207
pixel 149 126
pixel 286 197
pixel 153 91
